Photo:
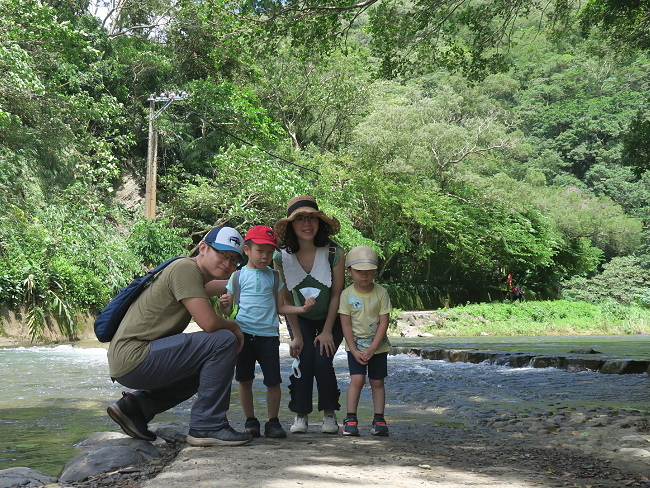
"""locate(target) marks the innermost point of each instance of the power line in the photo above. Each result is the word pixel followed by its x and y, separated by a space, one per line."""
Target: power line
pixel 215 126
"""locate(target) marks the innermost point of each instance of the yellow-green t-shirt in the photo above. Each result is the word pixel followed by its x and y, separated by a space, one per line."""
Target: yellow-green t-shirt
pixel 156 313
pixel 364 310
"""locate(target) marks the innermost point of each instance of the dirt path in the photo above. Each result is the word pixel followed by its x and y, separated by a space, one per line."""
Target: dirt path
pixel 424 451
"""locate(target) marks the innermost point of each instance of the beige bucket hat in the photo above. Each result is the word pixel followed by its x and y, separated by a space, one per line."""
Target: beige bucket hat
pixel 304 204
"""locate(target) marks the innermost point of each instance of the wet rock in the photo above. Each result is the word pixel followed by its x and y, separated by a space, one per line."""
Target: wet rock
pixel 521 360
pixel 581 364
pixel 433 354
pixel 625 367
pixel 547 362
pixel 26 477
pixel 514 360
pixel 588 350
pixel 110 455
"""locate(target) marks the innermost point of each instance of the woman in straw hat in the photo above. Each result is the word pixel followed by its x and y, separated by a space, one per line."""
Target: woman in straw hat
pixel 312 265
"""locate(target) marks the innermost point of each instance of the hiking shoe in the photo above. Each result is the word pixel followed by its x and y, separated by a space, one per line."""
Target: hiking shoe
pixel 252 426
pixel 300 424
pixel 379 428
pixel 351 426
pixel 274 430
pixel 226 436
pixel 329 424
pixel 127 414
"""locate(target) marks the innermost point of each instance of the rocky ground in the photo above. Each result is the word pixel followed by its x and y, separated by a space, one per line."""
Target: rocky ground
pixel 481 443
pixel 501 453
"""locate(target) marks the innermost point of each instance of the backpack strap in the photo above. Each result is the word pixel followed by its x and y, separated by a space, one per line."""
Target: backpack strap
pixel 276 282
pixel 332 253
pixel 236 288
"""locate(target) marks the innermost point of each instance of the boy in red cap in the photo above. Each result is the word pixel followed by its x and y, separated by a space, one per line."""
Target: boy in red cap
pixel 260 302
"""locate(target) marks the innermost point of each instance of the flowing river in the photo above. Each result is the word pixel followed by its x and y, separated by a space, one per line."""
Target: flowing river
pixel 52 397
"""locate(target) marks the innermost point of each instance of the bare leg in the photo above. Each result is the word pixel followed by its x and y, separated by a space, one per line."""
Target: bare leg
pixel 354 392
pixel 378 395
pixel 273 400
pixel 246 398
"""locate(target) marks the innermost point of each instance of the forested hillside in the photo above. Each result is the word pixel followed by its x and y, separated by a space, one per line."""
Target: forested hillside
pixel 464 140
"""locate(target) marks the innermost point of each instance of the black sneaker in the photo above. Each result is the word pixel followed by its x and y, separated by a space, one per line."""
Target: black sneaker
pixel 252 425
pixel 379 428
pixel 226 436
pixel 274 429
pixel 351 426
pixel 126 412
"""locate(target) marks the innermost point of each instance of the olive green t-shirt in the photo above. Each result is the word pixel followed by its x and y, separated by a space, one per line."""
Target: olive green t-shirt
pixel 156 313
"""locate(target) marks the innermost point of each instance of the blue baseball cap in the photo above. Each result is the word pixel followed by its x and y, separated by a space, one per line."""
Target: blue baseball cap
pixel 225 239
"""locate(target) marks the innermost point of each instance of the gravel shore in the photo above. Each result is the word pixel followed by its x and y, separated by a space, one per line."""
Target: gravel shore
pixel 451 425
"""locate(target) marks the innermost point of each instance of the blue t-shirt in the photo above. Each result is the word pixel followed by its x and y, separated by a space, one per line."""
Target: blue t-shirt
pixel 257 313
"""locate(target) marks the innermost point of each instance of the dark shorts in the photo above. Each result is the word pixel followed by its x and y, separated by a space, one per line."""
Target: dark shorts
pixel 377 367
pixel 262 350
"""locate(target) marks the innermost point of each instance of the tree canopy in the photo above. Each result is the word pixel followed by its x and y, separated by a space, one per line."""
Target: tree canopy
pixel 464 140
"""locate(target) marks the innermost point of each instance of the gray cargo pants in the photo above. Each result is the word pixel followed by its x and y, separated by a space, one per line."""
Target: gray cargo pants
pixel 181 365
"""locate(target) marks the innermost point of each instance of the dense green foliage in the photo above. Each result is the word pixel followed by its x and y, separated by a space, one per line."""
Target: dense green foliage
pixel 463 140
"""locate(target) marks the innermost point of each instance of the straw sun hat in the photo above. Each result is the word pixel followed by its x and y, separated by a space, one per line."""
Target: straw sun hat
pixel 304 204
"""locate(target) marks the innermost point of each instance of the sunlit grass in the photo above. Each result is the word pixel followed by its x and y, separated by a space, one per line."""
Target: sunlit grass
pixel 539 318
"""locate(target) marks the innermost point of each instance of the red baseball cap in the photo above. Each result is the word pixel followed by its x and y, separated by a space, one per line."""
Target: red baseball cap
pixel 261 234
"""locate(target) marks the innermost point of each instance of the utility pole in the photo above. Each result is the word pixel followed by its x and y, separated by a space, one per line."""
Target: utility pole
pixel 152 148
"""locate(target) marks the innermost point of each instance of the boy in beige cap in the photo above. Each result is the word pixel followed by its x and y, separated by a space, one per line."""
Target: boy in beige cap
pixel 364 310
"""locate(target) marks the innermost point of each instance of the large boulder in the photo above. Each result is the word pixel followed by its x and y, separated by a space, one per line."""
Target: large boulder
pixel 26 477
pixel 108 456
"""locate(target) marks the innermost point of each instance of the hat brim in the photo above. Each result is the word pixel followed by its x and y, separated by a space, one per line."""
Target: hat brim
pixel 280 226
pixel 223 247
pixel 263 241
pixel 363 266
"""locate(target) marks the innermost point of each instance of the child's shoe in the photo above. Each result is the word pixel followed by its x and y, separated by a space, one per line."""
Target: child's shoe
pixel 350 426
pixel 300 424
pixel 252 426
pixel 329 424
pixel 379 428
pixel 274 430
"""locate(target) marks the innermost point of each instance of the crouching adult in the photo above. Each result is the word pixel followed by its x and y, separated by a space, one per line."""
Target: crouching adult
pixel 151 354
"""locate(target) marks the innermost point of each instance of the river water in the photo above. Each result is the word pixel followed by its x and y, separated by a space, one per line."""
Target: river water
pixel 52 397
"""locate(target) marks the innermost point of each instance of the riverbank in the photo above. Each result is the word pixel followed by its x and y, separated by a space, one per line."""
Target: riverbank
pixel 423 450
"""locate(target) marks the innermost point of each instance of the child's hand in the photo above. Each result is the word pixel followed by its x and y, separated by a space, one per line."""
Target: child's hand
pixel 361 359
pixel 367 353
pixel 224 301
pixel 309 304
